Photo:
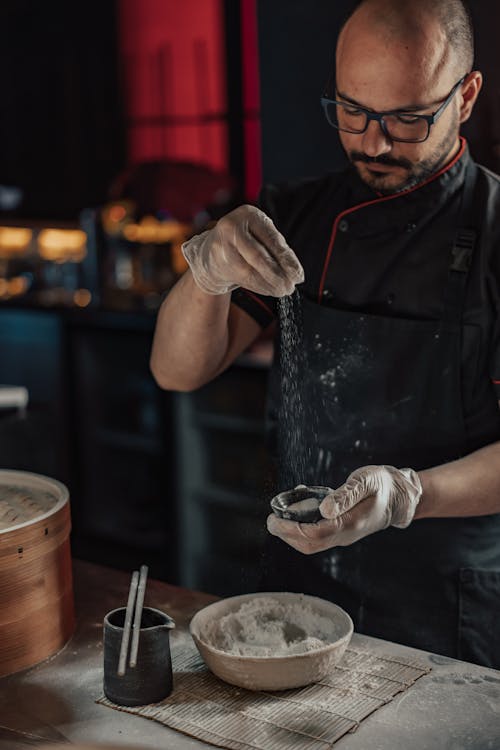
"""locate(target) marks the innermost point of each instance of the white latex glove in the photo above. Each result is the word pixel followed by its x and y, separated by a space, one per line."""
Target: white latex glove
pixel 244 249
pixel 372 498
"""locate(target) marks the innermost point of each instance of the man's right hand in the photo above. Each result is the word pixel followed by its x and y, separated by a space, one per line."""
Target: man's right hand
pixel 243 249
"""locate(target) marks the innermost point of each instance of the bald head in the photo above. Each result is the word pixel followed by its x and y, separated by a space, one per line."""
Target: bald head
pixel 412 57
pixel 438 28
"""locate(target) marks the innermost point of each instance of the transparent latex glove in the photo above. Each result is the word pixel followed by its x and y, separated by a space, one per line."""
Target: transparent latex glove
pixel 372 498
pixel 244 249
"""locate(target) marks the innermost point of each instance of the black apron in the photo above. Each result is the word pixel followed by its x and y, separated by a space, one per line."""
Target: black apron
pixel 382 390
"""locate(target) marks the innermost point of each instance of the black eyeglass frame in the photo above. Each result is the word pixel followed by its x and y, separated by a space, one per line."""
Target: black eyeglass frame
pixel 379 116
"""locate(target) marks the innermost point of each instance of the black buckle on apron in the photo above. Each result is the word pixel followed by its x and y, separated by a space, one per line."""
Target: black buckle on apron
pixel 462 251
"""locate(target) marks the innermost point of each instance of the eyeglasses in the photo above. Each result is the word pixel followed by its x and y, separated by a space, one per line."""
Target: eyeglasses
pixel 397 125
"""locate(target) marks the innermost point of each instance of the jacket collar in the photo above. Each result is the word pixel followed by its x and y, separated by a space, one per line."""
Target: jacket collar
pixel 437 187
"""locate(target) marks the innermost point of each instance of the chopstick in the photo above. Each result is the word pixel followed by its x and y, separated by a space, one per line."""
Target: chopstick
pixel 138 615
pixel 132 593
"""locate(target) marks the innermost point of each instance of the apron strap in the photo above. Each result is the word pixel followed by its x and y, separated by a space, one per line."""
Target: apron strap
pixel 462 251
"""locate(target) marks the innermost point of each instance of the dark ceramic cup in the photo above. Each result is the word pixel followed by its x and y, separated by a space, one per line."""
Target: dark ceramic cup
pixel 300 504
pixel 151 679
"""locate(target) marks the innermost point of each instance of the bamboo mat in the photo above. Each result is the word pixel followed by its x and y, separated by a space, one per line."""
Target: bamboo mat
pixel 309 718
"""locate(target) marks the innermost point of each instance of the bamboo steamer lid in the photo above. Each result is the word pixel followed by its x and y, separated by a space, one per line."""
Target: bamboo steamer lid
pixel 36 587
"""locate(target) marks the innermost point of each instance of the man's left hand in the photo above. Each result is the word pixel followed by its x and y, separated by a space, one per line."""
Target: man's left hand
pixel 372 498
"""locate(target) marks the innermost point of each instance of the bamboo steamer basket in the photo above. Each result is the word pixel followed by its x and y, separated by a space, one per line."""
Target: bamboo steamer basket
pixel 36 587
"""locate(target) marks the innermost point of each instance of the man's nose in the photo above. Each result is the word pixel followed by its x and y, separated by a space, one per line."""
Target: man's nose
pixel 375 141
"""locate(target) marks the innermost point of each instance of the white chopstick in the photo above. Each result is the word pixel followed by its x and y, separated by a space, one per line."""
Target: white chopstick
pixel 138 615
pixel 132 593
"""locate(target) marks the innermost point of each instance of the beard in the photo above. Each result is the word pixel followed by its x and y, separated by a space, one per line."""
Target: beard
pixel 416 172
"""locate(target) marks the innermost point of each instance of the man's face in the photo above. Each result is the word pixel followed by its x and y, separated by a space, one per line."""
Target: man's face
pixel 384 75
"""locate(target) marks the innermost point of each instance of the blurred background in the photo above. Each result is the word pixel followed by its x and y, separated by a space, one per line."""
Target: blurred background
pixel 126 126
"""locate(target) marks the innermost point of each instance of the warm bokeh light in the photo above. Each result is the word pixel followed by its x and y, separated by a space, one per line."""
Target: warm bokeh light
pixel 17 285
pixel 14 240
pixel 117 213
pixel 115 216
pixel 62 245
pixel 13 287
pixel 82 298
pixel 151 230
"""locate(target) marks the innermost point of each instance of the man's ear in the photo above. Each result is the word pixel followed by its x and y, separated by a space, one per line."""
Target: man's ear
pixel 470 91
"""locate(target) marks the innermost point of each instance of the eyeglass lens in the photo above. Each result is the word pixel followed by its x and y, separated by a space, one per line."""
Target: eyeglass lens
pixel 398 127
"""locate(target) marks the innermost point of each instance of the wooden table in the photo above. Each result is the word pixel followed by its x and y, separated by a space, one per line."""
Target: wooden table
pixel 455 707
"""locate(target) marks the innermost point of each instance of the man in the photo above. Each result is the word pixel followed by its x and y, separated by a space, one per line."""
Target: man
pixel 398 272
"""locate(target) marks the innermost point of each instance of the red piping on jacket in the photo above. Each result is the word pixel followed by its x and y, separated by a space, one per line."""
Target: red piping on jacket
pixel 260 302
pixel 383 199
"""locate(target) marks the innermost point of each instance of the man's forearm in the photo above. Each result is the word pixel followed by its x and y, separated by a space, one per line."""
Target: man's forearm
pixel 191 336
pixel 469 486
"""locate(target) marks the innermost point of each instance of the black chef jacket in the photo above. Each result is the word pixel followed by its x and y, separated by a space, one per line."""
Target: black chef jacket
pixel 392 258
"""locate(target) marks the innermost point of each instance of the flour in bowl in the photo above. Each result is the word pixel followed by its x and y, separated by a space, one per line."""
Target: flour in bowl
pixel 267 627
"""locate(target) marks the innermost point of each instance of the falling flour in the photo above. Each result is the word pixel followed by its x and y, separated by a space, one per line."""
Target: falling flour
pixel 295 414
pixel 266 627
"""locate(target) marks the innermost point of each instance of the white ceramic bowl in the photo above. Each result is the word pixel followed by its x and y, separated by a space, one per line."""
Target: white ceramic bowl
pixel 272 672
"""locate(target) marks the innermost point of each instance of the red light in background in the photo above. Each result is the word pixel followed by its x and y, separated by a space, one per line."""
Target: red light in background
pixel 174 80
